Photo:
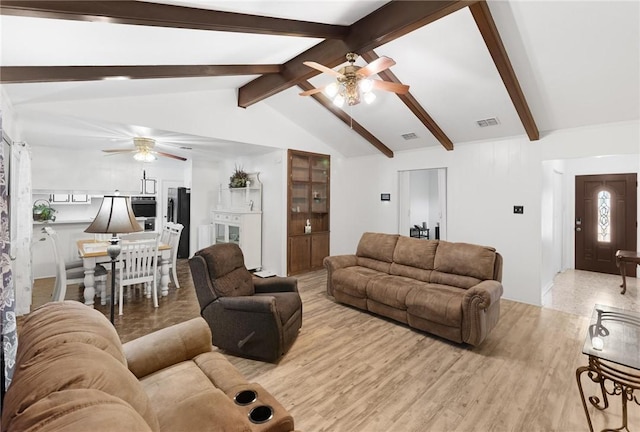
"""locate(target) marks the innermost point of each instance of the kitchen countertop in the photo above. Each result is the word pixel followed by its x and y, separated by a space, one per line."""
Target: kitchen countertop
pixel 64 221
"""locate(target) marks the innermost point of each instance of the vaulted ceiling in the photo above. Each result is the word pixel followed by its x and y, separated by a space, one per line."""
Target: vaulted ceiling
pixel 532 66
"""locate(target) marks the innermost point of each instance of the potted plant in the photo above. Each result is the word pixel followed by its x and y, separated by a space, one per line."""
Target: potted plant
pixel 43 212
pixel 239 179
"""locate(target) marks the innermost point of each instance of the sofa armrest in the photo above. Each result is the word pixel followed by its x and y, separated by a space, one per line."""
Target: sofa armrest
pixel 484 294
pixel 275 284
pixel 166 347
pixel 333 263
pixel 480 311
pixel 258 304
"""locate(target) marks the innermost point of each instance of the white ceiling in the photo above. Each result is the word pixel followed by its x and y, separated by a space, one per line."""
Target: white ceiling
pixel 578 63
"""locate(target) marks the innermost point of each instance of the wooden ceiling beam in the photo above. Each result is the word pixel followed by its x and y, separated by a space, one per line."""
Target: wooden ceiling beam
pixel 31 74
pixel 412 104
pixel 347 119
pixel 486 25
pixel 391 21
pixel 163 15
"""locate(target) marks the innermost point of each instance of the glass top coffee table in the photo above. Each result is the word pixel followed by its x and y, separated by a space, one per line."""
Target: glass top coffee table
pixel 613 346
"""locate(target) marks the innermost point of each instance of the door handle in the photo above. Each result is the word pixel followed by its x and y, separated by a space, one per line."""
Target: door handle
pixel 578 229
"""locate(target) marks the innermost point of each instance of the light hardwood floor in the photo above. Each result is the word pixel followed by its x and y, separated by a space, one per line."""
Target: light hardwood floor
pixel 350 371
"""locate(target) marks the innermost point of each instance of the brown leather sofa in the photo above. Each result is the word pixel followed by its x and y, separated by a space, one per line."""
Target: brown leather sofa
pixel 73 374
pixel 448 289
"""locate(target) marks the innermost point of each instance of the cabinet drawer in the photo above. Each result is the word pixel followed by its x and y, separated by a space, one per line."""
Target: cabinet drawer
pixel 226 217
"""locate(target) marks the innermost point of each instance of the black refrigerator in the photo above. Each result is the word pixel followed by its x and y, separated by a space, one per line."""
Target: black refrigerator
pixel 178 211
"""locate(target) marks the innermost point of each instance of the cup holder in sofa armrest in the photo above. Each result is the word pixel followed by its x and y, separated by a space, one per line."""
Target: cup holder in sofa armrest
pixel 245 397
pixel 261 414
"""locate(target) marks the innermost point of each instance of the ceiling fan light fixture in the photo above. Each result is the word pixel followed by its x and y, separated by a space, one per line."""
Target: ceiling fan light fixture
pixel 366 85
pixel 331 90
pixel 144 156
pixel 338 101
pixel 369 97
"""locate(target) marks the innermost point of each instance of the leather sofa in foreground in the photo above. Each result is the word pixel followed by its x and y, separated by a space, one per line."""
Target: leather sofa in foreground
pixel 73 374
pixel 448 289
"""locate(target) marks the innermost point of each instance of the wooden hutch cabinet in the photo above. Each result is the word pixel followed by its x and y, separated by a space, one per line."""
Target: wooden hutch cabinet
pixel 307 211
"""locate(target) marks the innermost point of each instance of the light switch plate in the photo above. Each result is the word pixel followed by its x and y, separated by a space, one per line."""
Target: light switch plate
pixel 518 209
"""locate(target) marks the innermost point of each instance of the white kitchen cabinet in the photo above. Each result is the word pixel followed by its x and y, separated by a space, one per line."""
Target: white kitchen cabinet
pixel 63 198
pixel 243 229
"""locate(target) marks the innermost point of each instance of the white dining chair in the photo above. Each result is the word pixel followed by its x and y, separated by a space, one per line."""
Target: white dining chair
pixel 138 265
pixel 171 233
pixel 72 273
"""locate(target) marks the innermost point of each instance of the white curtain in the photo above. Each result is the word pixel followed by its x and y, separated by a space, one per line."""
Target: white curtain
pixel 21 225
pixel 8 334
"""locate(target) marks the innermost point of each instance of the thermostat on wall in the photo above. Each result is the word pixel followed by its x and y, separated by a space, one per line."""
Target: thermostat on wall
pixel 385 197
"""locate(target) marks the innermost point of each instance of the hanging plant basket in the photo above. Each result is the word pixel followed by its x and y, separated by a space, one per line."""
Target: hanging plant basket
pixel 42 211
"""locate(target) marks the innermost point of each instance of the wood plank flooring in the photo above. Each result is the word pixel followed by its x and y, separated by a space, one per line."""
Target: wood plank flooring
pixel 350 371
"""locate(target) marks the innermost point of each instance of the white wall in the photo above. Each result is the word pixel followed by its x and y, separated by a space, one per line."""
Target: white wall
pixel 552 214
pixel 205 181
pixel 485 180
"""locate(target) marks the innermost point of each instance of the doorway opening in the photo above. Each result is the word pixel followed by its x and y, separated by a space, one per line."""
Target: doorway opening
pixel 422 203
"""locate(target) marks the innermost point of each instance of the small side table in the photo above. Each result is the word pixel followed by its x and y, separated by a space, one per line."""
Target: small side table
pixel 622 258
pixel 613 346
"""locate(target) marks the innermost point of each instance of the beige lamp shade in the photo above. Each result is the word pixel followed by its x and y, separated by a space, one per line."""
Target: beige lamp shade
pixel 114 217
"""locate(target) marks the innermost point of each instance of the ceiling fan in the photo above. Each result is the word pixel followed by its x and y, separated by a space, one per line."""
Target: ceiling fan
pixel 143 150
pixel 352 81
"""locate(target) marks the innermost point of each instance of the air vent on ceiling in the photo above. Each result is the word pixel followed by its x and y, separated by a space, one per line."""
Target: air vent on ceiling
pixel 185 148
pixel 409 136
pixel 493 121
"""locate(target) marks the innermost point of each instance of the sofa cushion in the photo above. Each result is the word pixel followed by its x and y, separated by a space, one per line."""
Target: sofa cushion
pixel 453 280
pixel 410 272
pixel 75 365
pixel 58 323
pixel 391 290
pixel 465 259
pixel 377 246
pixel 354 280
pixel 437 303
pixel 79 410
pixel 192 401
pixel 417 253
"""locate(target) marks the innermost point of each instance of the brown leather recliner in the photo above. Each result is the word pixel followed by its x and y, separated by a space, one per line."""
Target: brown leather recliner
pixel 250 317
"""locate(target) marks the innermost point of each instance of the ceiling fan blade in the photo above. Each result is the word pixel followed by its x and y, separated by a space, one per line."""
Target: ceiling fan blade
pixel 378 65
pixel 169 155
pixel 322 68
pixel 114 151
pixel 312 91
pixel 390 86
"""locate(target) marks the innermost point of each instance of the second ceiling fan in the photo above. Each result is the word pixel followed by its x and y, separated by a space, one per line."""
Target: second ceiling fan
pixel 144 151
pixel 352 81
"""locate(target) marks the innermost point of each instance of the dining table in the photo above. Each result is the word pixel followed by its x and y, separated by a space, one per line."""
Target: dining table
pixel 93 252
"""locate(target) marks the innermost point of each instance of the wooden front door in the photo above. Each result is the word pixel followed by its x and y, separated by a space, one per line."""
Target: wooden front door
pixel 605 220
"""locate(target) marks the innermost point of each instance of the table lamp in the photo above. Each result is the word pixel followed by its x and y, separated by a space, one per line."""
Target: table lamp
pixel 114 217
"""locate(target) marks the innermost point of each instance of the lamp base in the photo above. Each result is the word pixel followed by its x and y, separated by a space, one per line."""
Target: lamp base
pixel 113 250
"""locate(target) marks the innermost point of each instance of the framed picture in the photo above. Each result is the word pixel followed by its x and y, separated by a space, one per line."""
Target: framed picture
pixel 149 186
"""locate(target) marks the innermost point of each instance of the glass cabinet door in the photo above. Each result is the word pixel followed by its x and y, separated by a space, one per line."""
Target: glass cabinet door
pixel 299 168
pixel 221 233
pixel 300 198
pixel 234 234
